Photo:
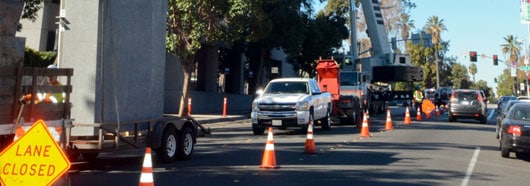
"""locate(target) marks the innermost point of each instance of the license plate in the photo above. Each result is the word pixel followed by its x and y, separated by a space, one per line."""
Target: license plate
pixel 276 122
pixel 465 102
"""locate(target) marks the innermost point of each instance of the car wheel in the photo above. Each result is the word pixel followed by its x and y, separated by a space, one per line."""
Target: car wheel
pixel 452 118
pixel 483 120
pixel 185 144
pixel 505 152
pixel 520 155
pixel 168 149
pixel 257 129
pixel 326 123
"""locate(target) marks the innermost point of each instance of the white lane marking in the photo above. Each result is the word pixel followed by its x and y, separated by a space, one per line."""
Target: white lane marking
pixel 471 167
pixel 491 114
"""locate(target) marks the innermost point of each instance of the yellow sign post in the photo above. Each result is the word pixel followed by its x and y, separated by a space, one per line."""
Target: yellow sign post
pixel 34 159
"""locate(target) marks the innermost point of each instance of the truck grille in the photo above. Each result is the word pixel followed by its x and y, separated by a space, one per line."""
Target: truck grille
pixel 277 107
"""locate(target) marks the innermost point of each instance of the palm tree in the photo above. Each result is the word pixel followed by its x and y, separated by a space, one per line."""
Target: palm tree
pixel 473 70
pixel 512 47
pixel 435 26
pixel 405 24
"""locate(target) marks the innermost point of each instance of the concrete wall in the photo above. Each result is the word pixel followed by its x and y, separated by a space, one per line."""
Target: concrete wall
pixel 203 102
pixel 36 33
pixel 117 50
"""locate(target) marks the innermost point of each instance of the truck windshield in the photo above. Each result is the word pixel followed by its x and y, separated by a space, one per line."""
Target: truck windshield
pixel 349 79
pixel 287 87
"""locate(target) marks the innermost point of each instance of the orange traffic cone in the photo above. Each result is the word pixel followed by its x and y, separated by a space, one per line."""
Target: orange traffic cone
pixel 407 117
pixel 436 112
pixel 388 124
pixel 269 158
pixel 310 142
pixel 365 131
pixel 418 115
pixel 146 178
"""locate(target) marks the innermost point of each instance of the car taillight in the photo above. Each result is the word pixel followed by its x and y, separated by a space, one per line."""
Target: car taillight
pixel 514 130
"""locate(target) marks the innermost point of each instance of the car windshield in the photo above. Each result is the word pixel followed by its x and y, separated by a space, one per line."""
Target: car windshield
pixel 287 87
pixel 466 96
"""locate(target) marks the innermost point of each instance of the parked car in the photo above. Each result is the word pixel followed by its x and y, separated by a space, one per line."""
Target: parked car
pixel 467 104
pixel 502 101
pixel 502 114
pixel 515 131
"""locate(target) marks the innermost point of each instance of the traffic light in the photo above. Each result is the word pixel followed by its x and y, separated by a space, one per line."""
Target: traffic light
pixel 473 56
pixel 495 60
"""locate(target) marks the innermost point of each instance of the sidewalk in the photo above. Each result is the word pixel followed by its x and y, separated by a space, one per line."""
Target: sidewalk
pixel 216 118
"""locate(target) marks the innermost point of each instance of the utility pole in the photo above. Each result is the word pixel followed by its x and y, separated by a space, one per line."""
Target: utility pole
pixel 353 33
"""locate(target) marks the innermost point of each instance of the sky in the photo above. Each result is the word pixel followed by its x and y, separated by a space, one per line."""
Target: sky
pixel 473 25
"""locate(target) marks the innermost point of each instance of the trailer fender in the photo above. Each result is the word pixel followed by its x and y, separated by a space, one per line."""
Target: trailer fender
pixel 156 135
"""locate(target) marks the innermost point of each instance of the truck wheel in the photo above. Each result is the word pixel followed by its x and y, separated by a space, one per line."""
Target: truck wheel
pixel 326 123
pixel 258 130
pixel 168 149
pixel 72 155
pixel 185 147
pixel 90 156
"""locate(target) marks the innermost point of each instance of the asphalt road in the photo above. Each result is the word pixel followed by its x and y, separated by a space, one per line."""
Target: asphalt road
pixel 427 152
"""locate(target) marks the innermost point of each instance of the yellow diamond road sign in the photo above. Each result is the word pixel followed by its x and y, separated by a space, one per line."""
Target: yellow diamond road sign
pixel 34 159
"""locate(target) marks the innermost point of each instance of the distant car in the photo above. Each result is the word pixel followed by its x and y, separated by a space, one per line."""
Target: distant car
pixel 484 97
pixel 502 114
pixel 522 97
pixel 467 104
pixel 515 131
pixel 502 101
pixel 444 94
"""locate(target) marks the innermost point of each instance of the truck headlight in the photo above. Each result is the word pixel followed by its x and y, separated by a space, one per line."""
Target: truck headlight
pixel 302 106
pixel 255 106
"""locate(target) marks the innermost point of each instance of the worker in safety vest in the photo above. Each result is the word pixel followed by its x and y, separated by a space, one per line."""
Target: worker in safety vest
pixel 46 97
pixel 417 98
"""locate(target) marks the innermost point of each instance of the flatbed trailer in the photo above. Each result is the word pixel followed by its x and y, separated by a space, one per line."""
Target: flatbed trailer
pixel 169 136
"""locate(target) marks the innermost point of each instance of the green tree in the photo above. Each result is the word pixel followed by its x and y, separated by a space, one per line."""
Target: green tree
pixel 512 48
pixel 435 26
pixel 473 70
pixel 323 36
pixel 287 28
pixel 505 83
pixel 460 76
pixel 197 23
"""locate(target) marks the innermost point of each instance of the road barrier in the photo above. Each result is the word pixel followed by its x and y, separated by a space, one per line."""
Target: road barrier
pixel 407 117
pixel 365 130
pixel 146 178
pixel 269 156
pixel 310 141
pixel 388 124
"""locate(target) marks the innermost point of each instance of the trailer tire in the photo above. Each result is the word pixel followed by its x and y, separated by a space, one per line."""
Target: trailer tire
pixel 90 156
pixel 185 144
pixel 168 148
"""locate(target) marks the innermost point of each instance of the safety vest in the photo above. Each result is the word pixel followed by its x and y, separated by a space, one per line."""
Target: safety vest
pixel 418 96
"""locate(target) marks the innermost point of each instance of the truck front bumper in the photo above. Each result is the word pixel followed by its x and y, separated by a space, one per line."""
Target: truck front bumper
pixel 280 119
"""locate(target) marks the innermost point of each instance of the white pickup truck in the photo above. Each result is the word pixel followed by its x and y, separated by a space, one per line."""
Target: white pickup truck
pixel 291 102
